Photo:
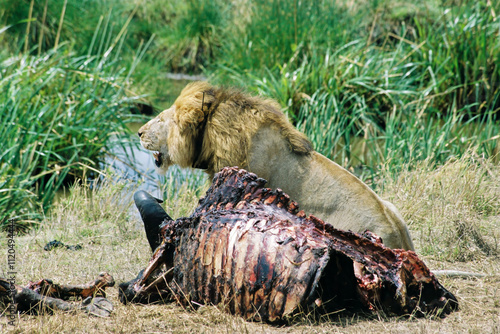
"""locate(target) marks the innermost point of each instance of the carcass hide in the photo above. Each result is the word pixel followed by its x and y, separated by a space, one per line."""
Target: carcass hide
pixel 250 248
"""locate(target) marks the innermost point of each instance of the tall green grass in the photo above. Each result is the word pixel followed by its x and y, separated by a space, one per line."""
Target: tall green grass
pixel 461 52
pixel 341 128
pixel 270 33
pixel 72 21
pixel 428 92
pixel 58 112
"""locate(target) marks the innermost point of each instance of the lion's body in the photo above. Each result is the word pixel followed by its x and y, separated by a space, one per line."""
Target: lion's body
pixel 211 128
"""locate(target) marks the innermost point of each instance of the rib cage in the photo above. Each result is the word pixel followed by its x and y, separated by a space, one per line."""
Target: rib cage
pixel 251 264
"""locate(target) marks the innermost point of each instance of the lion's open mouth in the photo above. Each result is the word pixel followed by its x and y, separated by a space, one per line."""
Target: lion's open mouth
pixel 158 158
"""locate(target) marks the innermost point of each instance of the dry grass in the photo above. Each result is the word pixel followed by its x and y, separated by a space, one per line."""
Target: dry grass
pixel 453 210
pixel 105 224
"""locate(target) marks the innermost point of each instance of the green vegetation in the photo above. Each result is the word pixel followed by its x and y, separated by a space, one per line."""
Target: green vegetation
pixel 59 111
pixel 426 90
pixel 377 85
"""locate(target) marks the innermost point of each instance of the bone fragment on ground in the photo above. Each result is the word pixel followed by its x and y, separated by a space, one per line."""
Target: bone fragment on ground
pixel 250 248
pixel 45 296
pixel 46 287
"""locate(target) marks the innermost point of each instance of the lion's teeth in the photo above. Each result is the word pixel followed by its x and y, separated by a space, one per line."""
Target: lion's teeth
pixel 158 158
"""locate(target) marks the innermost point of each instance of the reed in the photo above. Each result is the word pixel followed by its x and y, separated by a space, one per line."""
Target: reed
pixel 59 112
pixel 461 57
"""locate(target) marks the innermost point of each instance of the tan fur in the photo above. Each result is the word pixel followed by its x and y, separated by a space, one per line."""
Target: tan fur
pixel 212 127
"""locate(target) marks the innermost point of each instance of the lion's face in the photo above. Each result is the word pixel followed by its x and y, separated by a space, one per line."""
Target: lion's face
pixel 172 135
pixel 155 137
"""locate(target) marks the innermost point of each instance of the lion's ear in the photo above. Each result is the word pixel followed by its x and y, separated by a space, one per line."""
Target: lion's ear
pixel 189 118
pixel 193 111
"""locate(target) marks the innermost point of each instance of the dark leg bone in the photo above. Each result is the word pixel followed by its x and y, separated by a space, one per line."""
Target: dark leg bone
pixel 44 296
pixel 152 215
pixel 31 302
pixel 45 287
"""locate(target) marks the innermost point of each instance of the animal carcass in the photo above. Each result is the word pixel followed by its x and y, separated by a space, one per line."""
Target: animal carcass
pixel 250 248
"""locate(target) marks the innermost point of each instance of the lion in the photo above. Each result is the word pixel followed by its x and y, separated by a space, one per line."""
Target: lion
pixel 211 127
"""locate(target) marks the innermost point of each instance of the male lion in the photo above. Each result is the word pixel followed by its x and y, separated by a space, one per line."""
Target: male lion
pixel 211 127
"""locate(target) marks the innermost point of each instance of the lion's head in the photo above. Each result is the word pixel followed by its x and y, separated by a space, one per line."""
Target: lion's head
pixel 210 127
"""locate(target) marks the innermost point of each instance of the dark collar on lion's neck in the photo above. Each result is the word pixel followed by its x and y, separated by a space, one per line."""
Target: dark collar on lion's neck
pixel 198 146
pixel 198 162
